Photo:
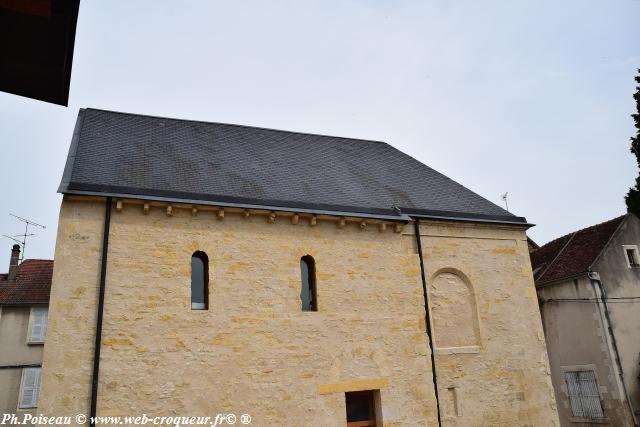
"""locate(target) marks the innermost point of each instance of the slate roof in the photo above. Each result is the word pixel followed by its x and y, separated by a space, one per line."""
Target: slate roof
pixel 121 154
pixel 31 286
pixel 573 254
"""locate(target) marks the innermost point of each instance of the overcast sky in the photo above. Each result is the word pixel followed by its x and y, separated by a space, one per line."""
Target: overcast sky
pixel 530 97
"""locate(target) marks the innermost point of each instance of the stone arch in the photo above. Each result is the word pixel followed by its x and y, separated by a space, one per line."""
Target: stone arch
pixel 454 310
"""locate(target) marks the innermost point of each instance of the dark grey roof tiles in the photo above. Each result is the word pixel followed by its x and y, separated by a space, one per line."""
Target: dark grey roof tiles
pixel 130 154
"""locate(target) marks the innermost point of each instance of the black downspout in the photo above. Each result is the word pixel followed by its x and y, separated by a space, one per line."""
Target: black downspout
pixel 103 276
pixel 427 318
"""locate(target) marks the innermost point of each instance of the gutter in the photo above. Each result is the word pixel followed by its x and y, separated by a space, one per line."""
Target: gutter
pixel 348 211
pixel 427 318
pixel 436 217
pixel 103 277
pixel 18 366
pixel 595 278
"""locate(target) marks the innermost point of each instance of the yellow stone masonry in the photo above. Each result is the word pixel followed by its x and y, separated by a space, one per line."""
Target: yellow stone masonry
pixel 254 351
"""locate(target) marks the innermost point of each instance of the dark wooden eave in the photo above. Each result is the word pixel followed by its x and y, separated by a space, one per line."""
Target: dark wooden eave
pixel 36 48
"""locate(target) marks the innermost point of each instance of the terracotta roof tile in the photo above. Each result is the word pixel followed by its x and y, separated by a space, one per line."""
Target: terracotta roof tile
pixel 31 286
pixel 573 254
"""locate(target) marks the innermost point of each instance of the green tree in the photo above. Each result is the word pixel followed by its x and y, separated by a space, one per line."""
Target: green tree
pixel 633 196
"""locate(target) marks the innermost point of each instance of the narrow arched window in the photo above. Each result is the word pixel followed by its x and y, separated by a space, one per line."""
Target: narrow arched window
pixel 308 290
pixel 199 281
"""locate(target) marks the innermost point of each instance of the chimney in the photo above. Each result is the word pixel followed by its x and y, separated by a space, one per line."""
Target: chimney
pixel 13 263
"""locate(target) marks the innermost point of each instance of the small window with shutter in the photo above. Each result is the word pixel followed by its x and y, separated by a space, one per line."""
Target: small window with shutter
pixel 37 325
pixel 29 388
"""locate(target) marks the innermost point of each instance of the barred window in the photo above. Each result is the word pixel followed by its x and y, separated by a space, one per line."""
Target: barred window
pixel 583 394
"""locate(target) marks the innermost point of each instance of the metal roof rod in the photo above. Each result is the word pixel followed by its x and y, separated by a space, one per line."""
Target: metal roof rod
pixel 23 242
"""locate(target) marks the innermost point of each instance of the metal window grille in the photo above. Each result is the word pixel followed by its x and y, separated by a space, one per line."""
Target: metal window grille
pixel 583 394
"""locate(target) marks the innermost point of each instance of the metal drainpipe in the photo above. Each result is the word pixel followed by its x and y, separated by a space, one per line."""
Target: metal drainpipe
pixel 603 300
pixel 427 318
pixel 103 277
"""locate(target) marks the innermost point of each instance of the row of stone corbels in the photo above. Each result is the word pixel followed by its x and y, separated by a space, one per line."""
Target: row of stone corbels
pixel 271 216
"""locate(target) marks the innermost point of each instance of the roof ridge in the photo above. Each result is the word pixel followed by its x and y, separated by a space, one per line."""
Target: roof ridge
pixel 237 125
pixel 583 229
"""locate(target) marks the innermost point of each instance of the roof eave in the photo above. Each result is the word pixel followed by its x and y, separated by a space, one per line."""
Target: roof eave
pixel 561 280
pixel 519 221
pixel 22 303
pixel 398 218
pixel 71 157
pixel 339 211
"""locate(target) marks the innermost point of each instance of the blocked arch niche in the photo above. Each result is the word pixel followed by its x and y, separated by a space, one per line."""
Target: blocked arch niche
pixel 454 310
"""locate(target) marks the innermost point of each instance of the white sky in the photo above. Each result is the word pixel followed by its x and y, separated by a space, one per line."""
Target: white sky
pixel 531 97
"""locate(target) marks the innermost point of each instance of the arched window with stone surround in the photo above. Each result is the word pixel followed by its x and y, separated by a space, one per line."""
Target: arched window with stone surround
pixel 454 311
pixel 199 281
pixel 308 296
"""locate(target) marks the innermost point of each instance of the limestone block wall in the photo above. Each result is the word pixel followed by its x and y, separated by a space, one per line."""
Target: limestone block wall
pixel 254 351
pixel 491 358
pixel 67 360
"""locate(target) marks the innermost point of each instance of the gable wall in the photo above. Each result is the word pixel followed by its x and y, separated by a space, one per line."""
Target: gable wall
pixel 490 356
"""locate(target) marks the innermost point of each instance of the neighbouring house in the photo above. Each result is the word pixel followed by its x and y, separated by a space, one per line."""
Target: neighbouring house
pixel 24 301
pixel 588 284
pixel 206 268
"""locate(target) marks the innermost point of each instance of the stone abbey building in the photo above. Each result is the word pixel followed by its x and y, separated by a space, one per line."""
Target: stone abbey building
pixel 205 268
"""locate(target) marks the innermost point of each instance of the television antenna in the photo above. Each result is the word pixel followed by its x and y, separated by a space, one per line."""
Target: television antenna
pixel 506 202
pixel 23 242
